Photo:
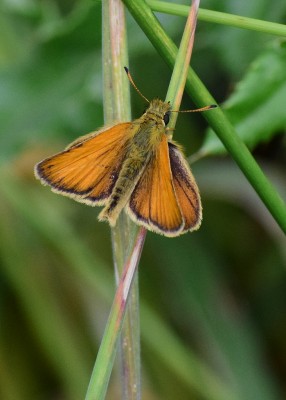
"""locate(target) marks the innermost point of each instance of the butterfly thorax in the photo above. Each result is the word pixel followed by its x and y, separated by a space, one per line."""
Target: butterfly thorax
pixel 152 124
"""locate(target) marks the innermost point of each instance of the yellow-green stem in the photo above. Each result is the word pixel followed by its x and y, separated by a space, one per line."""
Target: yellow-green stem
pixel 223 128
pixel 117 108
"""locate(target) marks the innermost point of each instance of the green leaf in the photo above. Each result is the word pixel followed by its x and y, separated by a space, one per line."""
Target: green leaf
pixel 257 106
pixel 50 91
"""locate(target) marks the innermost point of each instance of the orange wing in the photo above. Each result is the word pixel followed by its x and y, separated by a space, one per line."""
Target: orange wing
pixel 153 202
pixel 88 169
pixel 186 189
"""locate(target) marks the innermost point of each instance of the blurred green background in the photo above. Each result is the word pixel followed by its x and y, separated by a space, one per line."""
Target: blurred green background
pixel 213 302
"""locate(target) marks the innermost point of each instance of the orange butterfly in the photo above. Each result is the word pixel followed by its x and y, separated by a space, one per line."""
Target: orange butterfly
pixel 133 166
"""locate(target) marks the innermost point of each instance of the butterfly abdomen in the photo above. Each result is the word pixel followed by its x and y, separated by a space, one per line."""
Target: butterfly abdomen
pixel 128 177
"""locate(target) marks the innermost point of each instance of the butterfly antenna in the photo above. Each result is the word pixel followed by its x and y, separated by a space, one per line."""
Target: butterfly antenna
pixel 196 110
pixel 133 84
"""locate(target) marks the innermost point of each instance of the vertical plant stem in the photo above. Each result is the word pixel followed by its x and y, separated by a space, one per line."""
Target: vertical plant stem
pixel 180 71
pixel 104 362
pixel 116 93
pixel 117 108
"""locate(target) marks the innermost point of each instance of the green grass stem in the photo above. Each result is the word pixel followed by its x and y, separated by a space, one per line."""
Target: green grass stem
pixel 217 17
pixel 218 121
pixel 179 75
pixel 117 108
pixel 105 358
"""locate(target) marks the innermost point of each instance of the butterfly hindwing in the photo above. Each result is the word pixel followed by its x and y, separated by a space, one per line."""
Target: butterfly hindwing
pixel 186 189
pixel 153 202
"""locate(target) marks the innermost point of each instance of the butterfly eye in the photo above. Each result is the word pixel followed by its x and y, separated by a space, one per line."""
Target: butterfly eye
pixel 166 118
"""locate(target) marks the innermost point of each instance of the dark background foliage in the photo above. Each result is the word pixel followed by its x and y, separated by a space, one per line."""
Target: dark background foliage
pixel 217 295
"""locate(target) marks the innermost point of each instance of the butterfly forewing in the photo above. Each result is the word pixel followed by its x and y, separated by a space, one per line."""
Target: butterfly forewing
pixel 187 192
pixel 88 169
pixel 153 202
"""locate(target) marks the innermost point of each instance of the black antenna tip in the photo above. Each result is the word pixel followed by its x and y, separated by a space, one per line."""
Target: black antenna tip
pixel 126 70
pixel 213 106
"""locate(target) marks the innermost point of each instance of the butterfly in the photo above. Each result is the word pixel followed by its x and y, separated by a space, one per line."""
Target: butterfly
pixel 134 166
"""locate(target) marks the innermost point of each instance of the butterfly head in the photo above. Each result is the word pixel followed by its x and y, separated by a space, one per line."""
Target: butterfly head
pixel 160 109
